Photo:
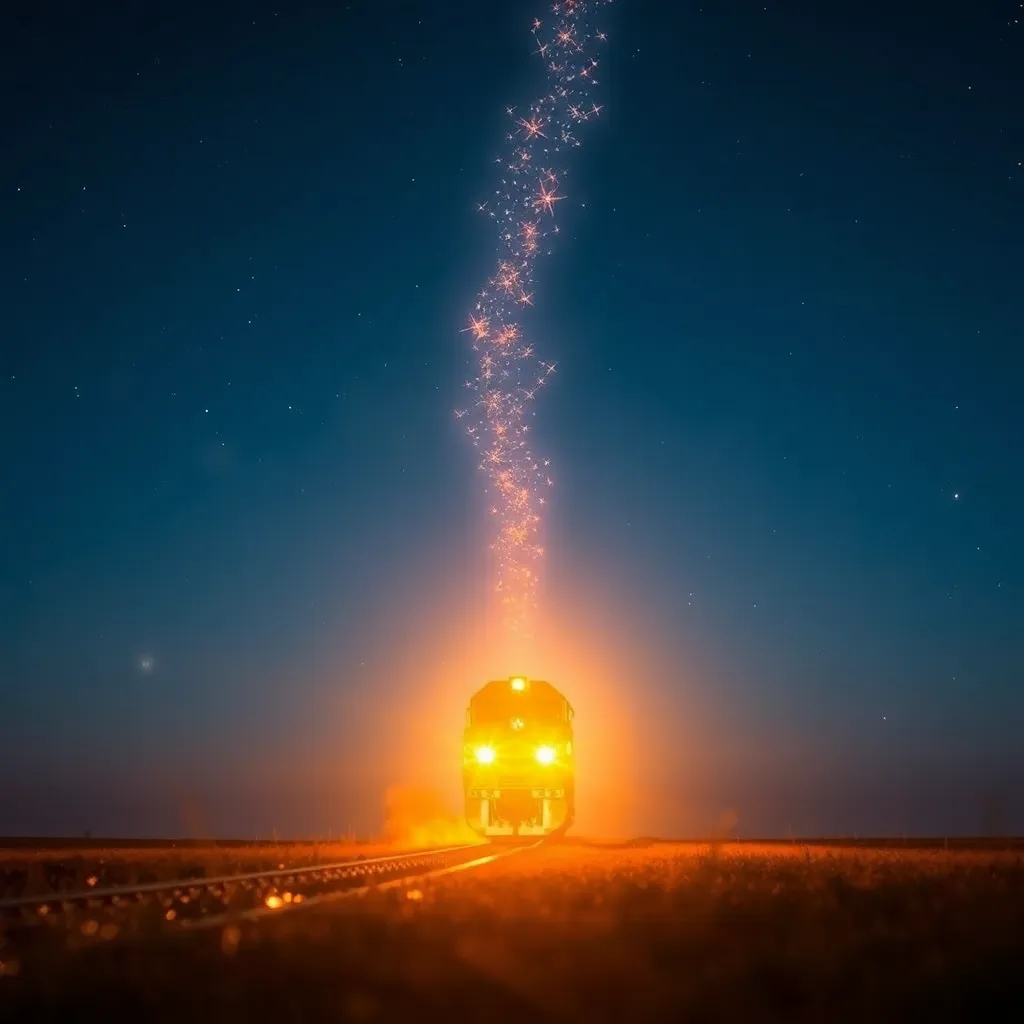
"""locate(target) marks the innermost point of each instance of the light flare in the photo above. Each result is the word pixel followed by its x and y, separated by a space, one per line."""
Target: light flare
pixel 523 209
pixel 546 755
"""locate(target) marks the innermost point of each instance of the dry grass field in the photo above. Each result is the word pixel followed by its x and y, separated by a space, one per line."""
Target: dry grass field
pixel 595 932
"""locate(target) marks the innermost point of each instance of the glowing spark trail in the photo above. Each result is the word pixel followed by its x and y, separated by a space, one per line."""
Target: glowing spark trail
pixel 523 210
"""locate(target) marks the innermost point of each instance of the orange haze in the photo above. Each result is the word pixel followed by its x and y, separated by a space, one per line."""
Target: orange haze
pixel 418 816
pixel 624 754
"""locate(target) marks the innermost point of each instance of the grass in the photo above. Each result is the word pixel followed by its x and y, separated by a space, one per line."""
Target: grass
pixel 598 932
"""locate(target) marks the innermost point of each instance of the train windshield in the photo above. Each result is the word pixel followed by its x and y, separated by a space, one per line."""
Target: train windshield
pixel 498 709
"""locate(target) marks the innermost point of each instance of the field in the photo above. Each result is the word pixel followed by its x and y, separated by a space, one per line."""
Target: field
pixel 642 931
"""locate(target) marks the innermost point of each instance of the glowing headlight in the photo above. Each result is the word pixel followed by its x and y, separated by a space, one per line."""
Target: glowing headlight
pixel 485 755
pixel 518 684
pixel 545 755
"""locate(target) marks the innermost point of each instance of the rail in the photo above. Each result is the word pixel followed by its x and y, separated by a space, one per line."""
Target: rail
pixel 416 877
pixel 175 885
pixel 84 916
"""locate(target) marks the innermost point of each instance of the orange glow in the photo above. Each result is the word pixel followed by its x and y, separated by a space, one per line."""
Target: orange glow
pixel 519 685
pixel 426 714
pixel 420 816
pixel 485 755
pixel 545 755
pixel 646 743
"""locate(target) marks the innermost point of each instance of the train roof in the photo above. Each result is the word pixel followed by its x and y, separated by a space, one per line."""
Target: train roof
pixel 499 687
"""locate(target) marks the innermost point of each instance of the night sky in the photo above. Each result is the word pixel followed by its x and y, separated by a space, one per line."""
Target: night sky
pixel 243 576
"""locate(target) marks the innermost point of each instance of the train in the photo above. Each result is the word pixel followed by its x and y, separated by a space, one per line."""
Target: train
pixel 518 769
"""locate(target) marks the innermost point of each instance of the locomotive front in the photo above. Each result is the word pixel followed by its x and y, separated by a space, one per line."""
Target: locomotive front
pixel 518 771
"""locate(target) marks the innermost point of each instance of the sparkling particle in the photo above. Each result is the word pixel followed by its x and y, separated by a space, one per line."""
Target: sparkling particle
pixel 508 374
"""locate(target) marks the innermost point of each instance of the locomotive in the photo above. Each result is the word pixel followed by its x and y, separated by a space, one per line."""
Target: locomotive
pixel 518 771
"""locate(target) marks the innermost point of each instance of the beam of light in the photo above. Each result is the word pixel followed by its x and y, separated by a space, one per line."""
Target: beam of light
pixel 523 210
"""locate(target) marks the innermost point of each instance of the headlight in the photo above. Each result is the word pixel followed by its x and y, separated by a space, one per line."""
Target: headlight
pixel 485 755
pixel 545 755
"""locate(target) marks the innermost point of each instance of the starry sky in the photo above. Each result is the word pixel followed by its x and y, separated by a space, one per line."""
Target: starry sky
pixel 243 575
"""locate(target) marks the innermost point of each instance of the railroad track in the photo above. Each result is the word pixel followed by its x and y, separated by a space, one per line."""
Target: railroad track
pixel 84 917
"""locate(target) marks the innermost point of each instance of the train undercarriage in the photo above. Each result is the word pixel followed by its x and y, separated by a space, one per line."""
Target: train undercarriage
pixel 520 811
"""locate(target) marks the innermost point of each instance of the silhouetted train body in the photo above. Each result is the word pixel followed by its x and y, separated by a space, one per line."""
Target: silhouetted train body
pixel 518 770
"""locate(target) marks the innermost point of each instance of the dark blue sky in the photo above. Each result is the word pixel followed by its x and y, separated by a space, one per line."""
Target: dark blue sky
pixel 239 248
